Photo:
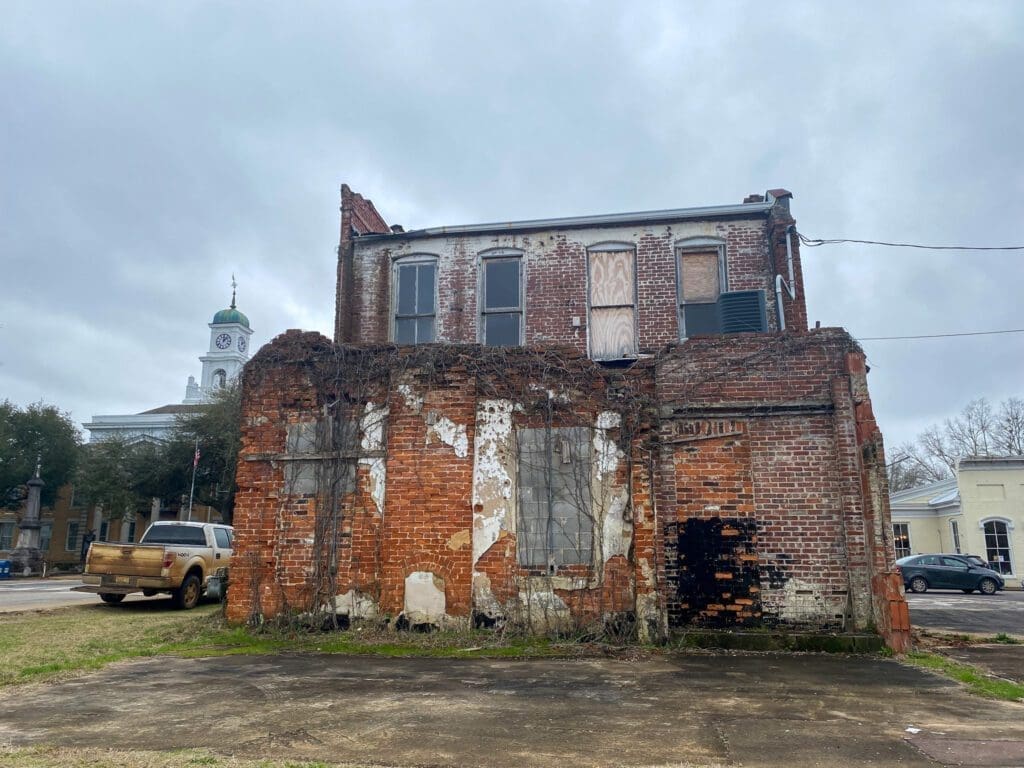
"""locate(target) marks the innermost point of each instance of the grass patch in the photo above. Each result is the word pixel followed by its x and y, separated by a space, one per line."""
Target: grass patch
pixel 975 679
pixel 42 646
pixel 1005 639
pixel 63 757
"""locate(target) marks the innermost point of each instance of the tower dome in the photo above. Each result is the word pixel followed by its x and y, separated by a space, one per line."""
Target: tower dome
pixel 231 314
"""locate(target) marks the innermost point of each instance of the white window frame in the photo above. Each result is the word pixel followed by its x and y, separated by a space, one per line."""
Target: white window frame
pixel 13 527
pixel 405 261
pixel 1009 541
pixel 614 246
pixel 72 543
pixel 492 255
pixel 910 545
pixel 698 245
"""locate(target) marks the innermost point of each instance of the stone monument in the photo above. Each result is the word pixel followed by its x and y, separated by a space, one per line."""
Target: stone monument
pixel 26 557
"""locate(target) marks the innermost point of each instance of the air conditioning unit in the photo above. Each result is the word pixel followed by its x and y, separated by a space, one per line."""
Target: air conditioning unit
pixel 742 312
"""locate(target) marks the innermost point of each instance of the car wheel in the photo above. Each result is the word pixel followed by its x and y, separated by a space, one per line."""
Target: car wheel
pixel 111 598
pixel 187 595
pixel 918 584
pixel 988 586
pixel 967 591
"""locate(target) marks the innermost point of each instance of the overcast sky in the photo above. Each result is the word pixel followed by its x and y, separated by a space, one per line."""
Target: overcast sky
pixel 149 150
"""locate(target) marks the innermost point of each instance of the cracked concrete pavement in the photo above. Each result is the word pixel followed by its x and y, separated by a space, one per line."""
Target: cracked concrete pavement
pixel 704 710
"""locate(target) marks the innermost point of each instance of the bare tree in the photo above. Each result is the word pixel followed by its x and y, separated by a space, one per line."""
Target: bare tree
pixel 978 430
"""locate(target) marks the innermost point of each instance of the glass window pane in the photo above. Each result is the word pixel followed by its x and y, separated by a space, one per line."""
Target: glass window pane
pixel 501 284
pixel 501 330
pixel 700 319
pixel 406 290
pixel 405 331
pixel 424 330
pixel 698 274
pixel 425 289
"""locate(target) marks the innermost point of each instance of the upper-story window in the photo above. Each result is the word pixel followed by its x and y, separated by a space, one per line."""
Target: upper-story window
pixel 702 279
pixel 612 279
pixel 501 302
pixel 415 298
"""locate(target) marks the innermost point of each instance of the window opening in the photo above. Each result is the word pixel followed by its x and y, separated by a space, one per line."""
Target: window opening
pixel 45 536
pixel 415 302
pixel 997 546
pixel 612 303
pixel 502 304
pixel 955 528
pixel 701 280
pixel 6 535
pixel 556 525
pixel 71 542
pixel 901 539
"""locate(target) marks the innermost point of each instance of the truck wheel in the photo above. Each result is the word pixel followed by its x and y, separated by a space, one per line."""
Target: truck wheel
pixel 111 598
pixel 187 595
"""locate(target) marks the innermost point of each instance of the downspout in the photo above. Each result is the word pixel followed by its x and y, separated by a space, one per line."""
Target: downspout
pixel 780 282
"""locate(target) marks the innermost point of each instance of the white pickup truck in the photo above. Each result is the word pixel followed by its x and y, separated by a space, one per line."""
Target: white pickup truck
pixel 174 557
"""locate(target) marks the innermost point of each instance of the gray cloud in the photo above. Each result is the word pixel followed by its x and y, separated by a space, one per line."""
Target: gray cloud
pixel 149 151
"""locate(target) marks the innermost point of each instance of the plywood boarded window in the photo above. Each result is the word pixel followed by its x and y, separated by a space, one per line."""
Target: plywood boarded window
pixel 612 302
pixel 700 286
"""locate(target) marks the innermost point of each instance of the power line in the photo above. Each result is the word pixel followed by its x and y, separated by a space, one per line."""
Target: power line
pixel 814 243
pixel 941 335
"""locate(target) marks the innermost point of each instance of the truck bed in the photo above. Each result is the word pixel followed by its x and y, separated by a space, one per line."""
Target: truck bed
pixel 125 560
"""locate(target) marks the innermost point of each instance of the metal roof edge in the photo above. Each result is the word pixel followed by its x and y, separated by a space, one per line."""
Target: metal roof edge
pixel 638 217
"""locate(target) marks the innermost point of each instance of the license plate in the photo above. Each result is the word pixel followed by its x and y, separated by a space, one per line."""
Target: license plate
pixel 122 580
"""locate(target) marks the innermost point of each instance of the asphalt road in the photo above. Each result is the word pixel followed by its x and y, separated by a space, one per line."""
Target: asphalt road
pixel 974 614
pixel 801 711
pixel 40 594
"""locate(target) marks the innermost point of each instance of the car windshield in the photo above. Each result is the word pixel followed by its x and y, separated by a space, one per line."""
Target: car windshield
pixel 975 560
pixel 175 534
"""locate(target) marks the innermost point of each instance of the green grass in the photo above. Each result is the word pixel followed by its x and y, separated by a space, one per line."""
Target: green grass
pixel 976 680
pixel 47 645
pixel 1005 639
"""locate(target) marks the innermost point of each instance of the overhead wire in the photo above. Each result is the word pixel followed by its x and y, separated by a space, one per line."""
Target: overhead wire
pixel 816 242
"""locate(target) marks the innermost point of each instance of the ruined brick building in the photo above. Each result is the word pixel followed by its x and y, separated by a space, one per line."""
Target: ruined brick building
pixel 616 420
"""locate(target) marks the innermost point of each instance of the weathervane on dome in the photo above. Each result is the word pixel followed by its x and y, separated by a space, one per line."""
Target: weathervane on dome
pixel 234 285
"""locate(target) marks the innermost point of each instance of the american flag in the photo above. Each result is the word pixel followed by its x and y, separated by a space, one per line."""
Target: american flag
pixel 195 459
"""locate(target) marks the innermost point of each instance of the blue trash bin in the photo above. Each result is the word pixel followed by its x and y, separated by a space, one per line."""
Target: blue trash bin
pixel 5 569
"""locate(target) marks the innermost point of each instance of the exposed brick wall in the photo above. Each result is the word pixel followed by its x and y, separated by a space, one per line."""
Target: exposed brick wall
pixel 767 438
pixel 555 279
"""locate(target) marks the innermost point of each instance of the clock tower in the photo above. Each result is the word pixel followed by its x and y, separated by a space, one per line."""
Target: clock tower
pixel 229 349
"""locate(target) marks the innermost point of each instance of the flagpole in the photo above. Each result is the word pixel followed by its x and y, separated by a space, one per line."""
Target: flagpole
pixel 192 493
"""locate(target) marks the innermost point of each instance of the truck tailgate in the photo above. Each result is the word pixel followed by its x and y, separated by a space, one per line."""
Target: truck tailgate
pixel 125 559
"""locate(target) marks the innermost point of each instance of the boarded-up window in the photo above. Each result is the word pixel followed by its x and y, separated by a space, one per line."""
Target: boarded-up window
pixel 415 302
pixel 612 304
pixel 700 285
pixel 502 304
pixel 556 525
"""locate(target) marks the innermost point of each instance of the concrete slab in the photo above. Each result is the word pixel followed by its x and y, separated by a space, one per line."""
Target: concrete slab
pixel 703 710
pixel 1006 661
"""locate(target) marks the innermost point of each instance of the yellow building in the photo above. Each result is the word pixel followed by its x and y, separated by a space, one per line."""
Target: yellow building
pixel 979 512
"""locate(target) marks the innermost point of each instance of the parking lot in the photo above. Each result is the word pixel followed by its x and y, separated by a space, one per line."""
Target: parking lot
pixel 974 614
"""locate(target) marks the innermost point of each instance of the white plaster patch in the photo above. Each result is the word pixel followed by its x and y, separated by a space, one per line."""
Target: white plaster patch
pixel 354 604
pixel 493 432
pixel 371 427
pixel 424 598
pixel 413 401
pixel 617 532
pixel 606 452
pixel 802 601
pixel 450 433
pixel 486 531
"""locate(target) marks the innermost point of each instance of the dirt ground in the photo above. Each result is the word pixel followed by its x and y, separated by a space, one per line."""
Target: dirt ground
pixel 703 710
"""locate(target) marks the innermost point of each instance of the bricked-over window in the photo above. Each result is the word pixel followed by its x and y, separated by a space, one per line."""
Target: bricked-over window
pixel 901 539
pixel 415 300
pixel 556 525
pixel 997 546
pixel 612 301
pixel 701 271
pixel 501 280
